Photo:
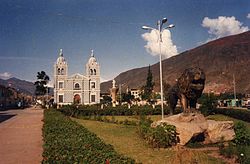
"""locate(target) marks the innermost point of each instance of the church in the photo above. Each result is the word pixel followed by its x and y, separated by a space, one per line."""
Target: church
pixel 76 88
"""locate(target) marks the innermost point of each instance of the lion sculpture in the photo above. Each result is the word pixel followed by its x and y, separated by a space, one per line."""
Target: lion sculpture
pixel 188 89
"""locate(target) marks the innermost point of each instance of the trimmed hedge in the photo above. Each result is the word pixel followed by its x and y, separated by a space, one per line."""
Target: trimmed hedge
pixel 240 114
pixel 65 141
pixel 75 111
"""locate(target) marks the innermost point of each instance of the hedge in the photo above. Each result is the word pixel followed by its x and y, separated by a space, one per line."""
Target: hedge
pixel 75 111
pixel 240 114
pixel 65 141
pixel 161 136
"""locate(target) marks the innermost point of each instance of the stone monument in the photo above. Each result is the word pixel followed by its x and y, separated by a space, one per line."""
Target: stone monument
pixel 188 89
pixel 113 93
pixel 191 126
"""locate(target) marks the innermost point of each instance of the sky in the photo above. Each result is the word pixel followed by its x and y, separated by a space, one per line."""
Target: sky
pixel 32 32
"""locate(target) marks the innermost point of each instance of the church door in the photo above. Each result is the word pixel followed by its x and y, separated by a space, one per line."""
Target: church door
pixel 77 99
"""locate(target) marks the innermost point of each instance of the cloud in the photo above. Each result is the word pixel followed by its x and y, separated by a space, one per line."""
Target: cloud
pixel 168 49
pixel 248 15
pixel 5 75
pixel 223 26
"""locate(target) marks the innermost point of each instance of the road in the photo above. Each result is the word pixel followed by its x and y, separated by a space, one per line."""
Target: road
pixel 21 136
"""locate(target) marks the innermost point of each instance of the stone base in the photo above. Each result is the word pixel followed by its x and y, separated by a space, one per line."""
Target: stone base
pixel 191 125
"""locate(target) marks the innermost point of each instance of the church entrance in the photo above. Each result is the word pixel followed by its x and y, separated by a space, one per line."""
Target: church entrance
pixel 77 99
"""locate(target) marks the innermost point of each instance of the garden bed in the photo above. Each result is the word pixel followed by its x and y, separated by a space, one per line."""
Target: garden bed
pixel 65 141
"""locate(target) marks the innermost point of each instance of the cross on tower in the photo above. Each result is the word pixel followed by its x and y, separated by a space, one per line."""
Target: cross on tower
pixel 61 53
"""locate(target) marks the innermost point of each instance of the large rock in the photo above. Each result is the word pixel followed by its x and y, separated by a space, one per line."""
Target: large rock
pixel 219 130
pixel 189 126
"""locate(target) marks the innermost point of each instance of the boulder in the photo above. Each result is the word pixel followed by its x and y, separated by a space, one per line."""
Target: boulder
pixel 191 125
pixel 219 130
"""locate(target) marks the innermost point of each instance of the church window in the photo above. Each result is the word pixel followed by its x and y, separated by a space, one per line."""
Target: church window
pixel 91 72
pixel 77 86
pixel 62 71
pixel 92 98
pixel 58 71
pixel 60 98
pixel 60 85
pixel 94 71
pixel 92 85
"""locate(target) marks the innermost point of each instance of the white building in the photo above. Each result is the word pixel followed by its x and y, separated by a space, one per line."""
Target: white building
pixel 77 88
pixel 135 93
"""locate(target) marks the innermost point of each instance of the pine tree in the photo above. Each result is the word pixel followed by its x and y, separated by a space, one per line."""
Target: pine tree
pixel 148 88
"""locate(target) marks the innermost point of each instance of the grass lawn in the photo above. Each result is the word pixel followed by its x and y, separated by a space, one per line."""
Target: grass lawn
pixel 126 141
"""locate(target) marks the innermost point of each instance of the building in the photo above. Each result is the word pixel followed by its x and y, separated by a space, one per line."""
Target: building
pixel 11 98
pixel 77 88
pixel 135 93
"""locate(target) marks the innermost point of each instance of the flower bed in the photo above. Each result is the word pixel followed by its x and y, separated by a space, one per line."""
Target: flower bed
pixel 65 141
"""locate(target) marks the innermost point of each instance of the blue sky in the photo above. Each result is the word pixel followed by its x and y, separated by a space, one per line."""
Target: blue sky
pixel 32 32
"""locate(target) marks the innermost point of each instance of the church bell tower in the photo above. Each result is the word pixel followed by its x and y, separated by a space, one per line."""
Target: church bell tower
pixel 93 73
pixel 60 76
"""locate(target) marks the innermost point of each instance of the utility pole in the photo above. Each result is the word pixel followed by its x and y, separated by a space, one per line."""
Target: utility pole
pixel 234 87
pixel 120 93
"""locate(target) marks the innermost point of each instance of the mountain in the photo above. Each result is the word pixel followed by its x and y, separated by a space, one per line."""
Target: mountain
pixel 21 85
pixel 219 59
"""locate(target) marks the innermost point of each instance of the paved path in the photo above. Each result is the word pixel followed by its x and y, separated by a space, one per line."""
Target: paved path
pixel 21 136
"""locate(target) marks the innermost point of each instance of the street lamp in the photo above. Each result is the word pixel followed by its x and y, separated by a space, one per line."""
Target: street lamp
pixel 160 30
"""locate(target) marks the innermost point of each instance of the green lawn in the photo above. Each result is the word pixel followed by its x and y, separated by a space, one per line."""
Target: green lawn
pixel 126 141
pixel 134 118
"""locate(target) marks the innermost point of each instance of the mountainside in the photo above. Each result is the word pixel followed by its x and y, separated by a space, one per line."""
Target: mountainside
pixel 219 59
pixel 21 85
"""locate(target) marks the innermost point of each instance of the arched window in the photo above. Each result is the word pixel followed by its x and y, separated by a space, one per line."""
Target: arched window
pixel 58 71
pixel 62 71
pixel 77 86
pixel 91 72
pixel 92 85
pixel 94 71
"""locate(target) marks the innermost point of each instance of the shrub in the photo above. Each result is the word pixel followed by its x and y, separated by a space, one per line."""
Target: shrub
pixel 242 135
pixel 163 135
pixel 65 141
pixel 239 152
pixel 208 103
pixel 229 151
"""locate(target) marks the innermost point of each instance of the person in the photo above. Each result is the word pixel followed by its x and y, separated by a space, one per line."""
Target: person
pixel 19 104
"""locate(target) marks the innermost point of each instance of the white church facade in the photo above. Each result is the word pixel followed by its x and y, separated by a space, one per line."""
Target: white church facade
pixel 76 88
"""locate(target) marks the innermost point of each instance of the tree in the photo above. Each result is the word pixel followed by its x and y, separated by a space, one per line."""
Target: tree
pixel 127 97
pixel 106 100
pixel 42 81
pixel 148 88
pixel 166 87
pixel 208 103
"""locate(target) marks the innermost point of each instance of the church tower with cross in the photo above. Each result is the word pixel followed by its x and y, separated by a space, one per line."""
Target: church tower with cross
pixel 76 88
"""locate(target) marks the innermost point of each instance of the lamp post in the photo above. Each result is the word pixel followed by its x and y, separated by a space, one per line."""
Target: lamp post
pixel 160 30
